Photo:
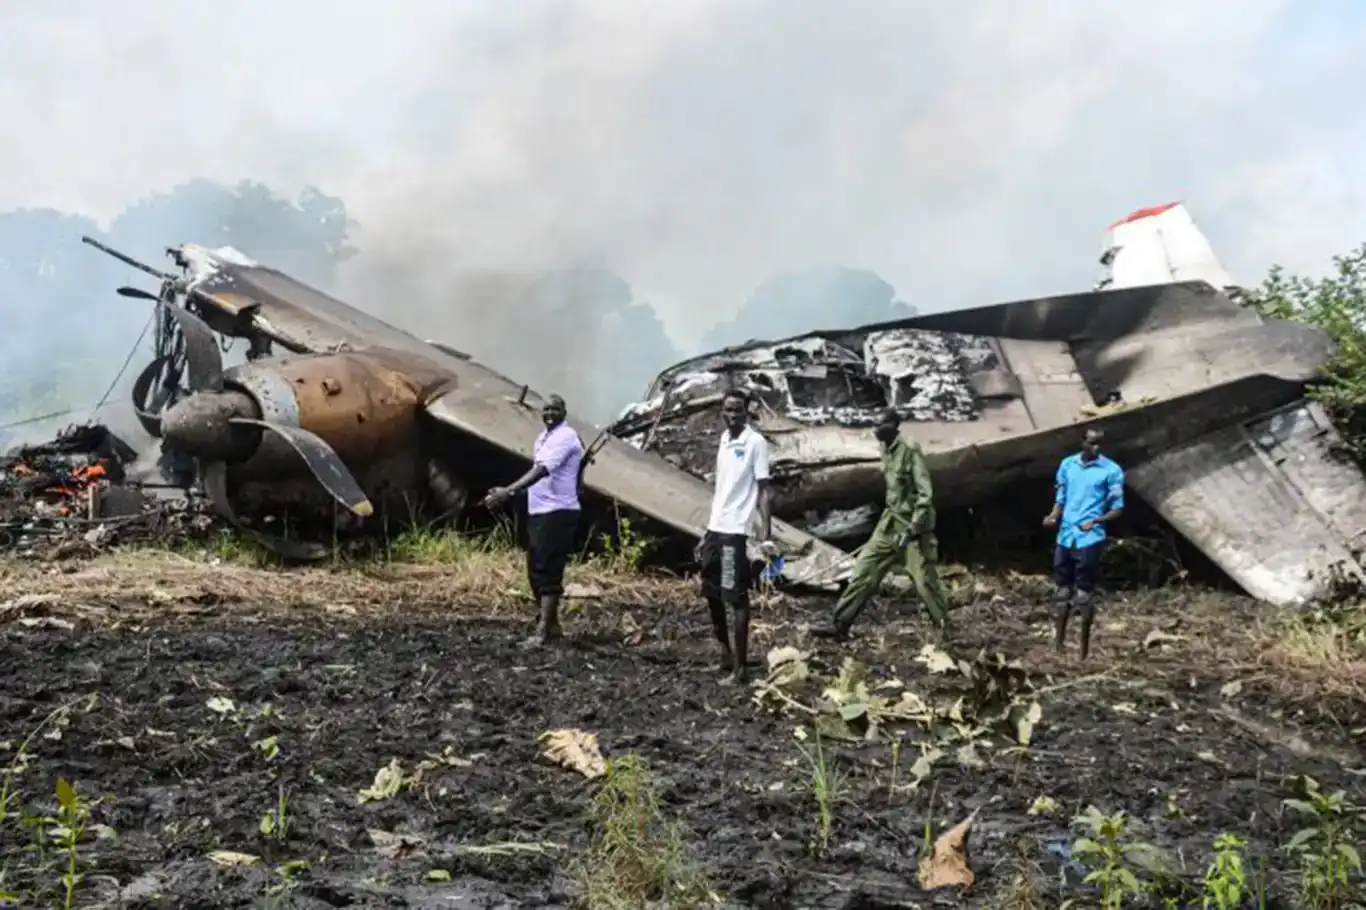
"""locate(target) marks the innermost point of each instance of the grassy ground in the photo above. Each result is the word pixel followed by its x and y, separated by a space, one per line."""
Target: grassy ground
pixel 370 735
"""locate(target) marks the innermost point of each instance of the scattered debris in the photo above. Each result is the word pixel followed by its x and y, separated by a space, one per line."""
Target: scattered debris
pixel 72 497
pixel 575 750
pixel 948 866
pixel 389 781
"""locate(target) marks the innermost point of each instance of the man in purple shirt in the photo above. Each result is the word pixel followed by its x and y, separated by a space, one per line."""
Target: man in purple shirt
pixel 552 506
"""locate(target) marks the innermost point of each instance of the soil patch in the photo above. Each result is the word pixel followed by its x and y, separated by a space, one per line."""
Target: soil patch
pixel 194 713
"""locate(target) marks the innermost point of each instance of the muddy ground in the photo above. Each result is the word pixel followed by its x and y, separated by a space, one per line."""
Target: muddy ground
pixel 195 668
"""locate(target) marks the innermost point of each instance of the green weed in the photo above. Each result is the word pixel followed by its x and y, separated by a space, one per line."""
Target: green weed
pixel 635 856
pixel 1109 856
pixel 827 788
pixel 1326 849
pixel 1225 879
pixel 71 818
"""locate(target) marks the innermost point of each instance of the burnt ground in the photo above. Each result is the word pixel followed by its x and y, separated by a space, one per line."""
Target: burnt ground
pixel 181 672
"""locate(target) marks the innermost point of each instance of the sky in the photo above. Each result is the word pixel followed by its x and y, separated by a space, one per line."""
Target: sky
pixel 969 152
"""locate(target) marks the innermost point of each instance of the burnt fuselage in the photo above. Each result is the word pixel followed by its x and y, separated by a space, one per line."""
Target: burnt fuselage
pixel 995 396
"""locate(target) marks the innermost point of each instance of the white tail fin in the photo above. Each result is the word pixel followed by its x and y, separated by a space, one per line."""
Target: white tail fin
pixel 1159 245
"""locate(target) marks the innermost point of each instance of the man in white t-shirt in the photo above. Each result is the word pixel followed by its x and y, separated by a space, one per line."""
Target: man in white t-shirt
pixel 741 488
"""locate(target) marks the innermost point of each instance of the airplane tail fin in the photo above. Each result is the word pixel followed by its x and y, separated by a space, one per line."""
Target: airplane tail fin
pixel 1159 245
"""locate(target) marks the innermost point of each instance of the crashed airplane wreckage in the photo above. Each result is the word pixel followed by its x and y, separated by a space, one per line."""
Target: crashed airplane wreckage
pixel 337 409
pixel 1202 400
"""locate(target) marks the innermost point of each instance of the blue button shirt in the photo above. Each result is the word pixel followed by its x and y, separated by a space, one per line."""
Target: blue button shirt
pixel 1086 492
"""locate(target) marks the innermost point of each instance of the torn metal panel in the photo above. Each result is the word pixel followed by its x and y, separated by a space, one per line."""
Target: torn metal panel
pixel 996 396
pixel 378 415
pixel 1271 501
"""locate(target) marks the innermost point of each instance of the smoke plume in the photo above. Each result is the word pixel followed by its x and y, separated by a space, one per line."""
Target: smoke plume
pixel 966 153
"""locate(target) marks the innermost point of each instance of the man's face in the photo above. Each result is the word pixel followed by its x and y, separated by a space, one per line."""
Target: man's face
pixel 886 433
pixel 552 414
pixel 733 413
pixel 1090 446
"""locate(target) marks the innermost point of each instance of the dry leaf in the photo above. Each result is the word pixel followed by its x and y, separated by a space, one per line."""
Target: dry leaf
pixel 233 858
pixel 1159 637
pixel 575 750
pixel 220 705
pixel 47 622
pixel 632 633
pixel 948 866
pixel 389 780
pixel 28 601
pixel 935 660
pixel 391 845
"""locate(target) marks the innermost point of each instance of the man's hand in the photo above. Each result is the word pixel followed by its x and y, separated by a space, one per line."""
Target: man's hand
pixel 1088 524
pixel 497 497
pixel 1050 520
pixel 697 552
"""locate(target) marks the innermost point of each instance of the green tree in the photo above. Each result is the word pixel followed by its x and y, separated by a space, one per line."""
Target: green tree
pixel 1336 304
pixel 66 334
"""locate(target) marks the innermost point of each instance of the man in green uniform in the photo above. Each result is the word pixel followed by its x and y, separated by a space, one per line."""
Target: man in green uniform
pixel 904 536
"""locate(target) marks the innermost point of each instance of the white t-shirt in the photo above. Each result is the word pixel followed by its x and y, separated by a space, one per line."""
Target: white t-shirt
pixel 740 464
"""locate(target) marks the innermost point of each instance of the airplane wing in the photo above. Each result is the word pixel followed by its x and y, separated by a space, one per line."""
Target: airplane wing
pixel 1269 500
pixel 476 399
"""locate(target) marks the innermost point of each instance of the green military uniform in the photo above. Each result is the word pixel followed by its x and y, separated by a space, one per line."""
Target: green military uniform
pixel 909 508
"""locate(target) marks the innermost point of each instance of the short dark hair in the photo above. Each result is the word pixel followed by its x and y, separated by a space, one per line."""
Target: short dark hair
pixel 889 418
pixel 739 394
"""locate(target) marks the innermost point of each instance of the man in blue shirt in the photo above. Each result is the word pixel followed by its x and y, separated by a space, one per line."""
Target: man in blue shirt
pixel 1089 495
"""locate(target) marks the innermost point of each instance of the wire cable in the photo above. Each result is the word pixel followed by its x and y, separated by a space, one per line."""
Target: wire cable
pixel 103 398
pixel 127 360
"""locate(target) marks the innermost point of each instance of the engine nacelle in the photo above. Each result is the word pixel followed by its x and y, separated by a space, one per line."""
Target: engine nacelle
pixel 367 413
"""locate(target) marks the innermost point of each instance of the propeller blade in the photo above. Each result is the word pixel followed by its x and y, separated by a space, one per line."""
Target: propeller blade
pixel 150 420
pixel 325 464
pixel 202 357
pixel 214 477
pixel 137 293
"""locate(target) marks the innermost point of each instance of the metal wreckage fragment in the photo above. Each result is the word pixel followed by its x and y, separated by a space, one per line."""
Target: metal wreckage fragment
pixel 1203 402
pixel 340 416
pixel 70 497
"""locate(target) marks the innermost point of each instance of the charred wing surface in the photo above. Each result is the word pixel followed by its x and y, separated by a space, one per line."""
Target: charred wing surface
pixel 1271 501
pixel 643 482
pixel 473 398
pixel 998 394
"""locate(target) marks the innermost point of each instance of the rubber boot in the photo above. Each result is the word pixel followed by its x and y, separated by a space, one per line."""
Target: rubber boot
pixel 548 625
pixel 1062 605
pixel 717 609
pixel 1087 607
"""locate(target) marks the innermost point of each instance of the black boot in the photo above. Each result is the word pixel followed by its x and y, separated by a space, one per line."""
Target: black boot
pixel 1086 606
pixel 548 624
pixel 1062 604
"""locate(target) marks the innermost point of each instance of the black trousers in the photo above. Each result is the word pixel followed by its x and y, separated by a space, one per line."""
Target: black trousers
pixel 1077 567
pixel 550 539
pixel 725 568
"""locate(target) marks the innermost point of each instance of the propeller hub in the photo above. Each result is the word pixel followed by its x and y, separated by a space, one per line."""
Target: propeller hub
pixel 197 425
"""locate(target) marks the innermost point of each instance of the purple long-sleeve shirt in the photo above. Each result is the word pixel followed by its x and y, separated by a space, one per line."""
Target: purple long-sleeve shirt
pixel 560 452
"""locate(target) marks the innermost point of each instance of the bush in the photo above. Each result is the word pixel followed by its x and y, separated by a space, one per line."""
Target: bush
pixel 1336 304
